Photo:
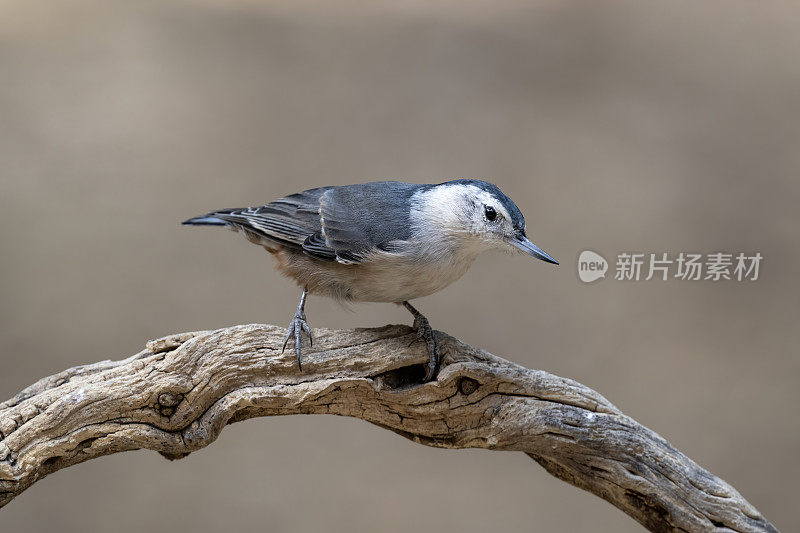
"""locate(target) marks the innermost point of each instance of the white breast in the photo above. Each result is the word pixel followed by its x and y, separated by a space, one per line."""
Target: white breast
pixel 394 278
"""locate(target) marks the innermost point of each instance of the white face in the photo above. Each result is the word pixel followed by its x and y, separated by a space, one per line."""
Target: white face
pixel 465 220
pixel 464 214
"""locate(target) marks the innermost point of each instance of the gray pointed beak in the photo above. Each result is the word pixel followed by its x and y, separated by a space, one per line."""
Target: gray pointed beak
pixel 528 247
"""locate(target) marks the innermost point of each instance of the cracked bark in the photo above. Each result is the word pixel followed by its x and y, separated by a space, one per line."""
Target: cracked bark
pixel 178 394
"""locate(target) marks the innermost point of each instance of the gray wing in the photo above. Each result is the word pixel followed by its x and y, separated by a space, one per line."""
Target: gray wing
pixel 358 220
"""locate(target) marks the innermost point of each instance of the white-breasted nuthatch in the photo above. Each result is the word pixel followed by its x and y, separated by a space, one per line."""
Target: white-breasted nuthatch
pixel 383 241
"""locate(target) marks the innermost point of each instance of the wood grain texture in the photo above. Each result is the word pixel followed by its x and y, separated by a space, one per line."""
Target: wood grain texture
pixel 178 394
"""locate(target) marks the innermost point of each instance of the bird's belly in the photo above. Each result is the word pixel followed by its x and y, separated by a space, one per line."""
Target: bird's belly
pixel 385 278
pixel 397 280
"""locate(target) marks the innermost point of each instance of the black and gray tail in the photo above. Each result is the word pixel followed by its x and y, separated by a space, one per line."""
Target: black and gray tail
pixel 206 220
pixel 215 218
pixel 239 220
pixel 288 221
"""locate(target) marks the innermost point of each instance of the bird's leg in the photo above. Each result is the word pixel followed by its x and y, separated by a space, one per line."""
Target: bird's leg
pixel 298 325
pixel 425 332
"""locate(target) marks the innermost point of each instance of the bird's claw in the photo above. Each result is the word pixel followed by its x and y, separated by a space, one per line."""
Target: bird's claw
pixel 426 333
pixel 296 326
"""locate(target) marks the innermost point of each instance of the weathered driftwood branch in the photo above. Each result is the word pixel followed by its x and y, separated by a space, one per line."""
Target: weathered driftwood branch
pixel 177 395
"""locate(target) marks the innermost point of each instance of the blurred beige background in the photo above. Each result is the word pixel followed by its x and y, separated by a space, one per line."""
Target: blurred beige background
pixel 616 126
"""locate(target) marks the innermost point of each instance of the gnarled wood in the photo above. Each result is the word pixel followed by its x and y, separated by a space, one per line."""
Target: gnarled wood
pixel 177 395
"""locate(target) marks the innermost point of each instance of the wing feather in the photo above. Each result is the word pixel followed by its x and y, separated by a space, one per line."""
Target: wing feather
pixel 358 220
pixel 289 220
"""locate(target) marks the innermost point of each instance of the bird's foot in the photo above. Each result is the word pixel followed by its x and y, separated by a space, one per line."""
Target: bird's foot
pixel 296 327
pixel 425 332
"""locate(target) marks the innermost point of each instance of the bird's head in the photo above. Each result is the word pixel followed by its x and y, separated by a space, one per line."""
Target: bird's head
pixel 475 214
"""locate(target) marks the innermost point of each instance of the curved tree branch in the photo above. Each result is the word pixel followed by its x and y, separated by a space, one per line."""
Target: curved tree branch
pixel 177 395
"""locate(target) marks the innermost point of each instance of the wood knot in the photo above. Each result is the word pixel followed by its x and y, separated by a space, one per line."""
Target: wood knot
pixel 467 386
pixel 167 401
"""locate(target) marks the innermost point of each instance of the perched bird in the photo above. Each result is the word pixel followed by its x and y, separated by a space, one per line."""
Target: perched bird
pixel 383 241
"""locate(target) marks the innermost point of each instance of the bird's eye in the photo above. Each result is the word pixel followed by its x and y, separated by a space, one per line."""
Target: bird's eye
pixel 490 213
